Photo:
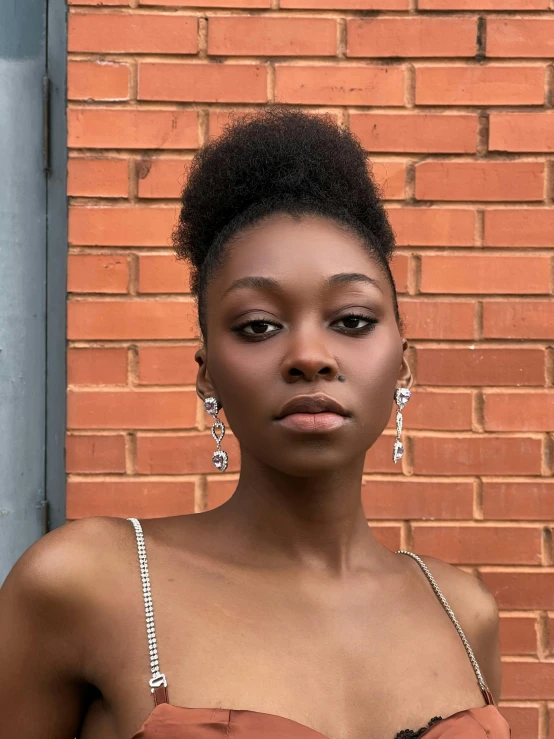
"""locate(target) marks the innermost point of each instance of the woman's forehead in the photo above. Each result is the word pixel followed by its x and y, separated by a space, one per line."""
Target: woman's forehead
pixel 285 248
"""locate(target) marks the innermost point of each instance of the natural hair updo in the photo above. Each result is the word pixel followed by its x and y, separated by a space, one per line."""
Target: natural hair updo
pixel 276 161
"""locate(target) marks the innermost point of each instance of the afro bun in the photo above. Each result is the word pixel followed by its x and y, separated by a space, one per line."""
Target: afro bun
pixel 277 160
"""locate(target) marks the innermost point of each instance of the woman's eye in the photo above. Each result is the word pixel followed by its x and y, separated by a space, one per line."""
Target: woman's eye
pixel 256 328
pixel 355 322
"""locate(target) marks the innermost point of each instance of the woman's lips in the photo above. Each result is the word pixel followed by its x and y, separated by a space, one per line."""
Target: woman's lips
pixel 324 421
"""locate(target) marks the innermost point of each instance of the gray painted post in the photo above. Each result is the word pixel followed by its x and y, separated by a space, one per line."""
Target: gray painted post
pixel 22 277
pixel 56 277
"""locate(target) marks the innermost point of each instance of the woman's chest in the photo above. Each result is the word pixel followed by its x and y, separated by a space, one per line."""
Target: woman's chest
pixel 346 667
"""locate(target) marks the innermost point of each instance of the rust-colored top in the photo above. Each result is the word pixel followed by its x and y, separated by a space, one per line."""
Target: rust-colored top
pixel 175 722
pixel 171 722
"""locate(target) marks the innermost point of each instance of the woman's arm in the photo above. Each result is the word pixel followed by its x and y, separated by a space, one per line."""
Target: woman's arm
pixel 42 609
pixel 483 634
pixel 477 612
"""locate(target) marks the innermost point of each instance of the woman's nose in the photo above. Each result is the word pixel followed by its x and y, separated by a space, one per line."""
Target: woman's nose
pixel 308 358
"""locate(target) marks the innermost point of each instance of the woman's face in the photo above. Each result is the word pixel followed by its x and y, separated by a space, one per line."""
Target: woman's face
pixel 296 303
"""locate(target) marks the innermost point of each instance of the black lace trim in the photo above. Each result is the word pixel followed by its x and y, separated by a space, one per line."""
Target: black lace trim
pixel 409 734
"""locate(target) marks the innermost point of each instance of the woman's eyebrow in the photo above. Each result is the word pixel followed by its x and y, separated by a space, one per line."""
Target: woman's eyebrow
pixel 346 277
pixel 268 283
pixel 259 283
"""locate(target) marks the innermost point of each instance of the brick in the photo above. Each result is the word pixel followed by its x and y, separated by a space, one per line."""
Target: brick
pixel 133 409
pixel 480 181
pixel 346 4
pixel 162 274
pixel 486 274
pixel 98 2
pixel 417 499
pixel 433 226
pixel 220 119
pixel 219 491
pixel 167 365
pixel 259 36
pixel 479 366
pixel 162 178
pixel 99 80
pixel 521 590
pixel 121 226
pixel 97 366
pixel 95 453
pixel 389 535
pixel 97 273
pixel 409 37
pixel 131 319
pixel 179 454
pixel 522 720
pixel 203 83
pixel 132 33
pixel 518 319
pixel 340 85
pixel 439 133
pixel 118 128
pixel 521 131
pixel 518 635
pixel 390 177
pixel 527 680
pixel 521 411
pixel 478 85
pixel 479 544
pixel 124 498
pixel 400 266
pixel 97 178
pixel 521 227
pixel 379 457
pixel 451 410
pixel 434 319
pixel 519 500
pixel 483 4
pixel 249 4
pixel 476 455
pixel 520 37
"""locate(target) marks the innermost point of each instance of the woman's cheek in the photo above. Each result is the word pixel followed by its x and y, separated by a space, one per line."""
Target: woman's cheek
pixel 241 385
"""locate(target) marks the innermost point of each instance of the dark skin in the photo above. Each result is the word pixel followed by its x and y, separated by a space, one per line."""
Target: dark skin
pixel 280 601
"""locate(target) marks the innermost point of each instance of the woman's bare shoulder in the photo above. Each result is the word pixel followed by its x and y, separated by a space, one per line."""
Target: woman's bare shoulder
pixel 64 563
pixel 477 613
pixel 468 596
pixel 48 603
pixel 60 576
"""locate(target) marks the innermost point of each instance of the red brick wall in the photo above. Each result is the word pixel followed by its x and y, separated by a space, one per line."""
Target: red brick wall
pixel 455 102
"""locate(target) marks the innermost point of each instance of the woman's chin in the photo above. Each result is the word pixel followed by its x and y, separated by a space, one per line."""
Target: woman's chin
pixel 314 461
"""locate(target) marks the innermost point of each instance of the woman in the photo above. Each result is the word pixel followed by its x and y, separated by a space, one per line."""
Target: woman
pixel 278 614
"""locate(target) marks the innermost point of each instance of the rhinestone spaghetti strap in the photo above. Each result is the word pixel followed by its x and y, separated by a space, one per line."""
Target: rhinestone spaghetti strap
pixel 482 684
pixel 158 683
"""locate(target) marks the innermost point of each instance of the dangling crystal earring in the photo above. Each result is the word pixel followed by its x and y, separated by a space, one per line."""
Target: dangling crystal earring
pixel 401 396
pixel 219 457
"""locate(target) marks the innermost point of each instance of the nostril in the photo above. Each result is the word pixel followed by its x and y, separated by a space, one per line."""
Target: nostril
pixel 295 372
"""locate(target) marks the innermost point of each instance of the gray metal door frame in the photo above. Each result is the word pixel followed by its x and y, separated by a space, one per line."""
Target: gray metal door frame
pixel 33 266
pixel 56 264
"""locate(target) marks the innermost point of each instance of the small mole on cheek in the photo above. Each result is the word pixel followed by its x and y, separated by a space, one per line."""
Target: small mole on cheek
pixel 341 378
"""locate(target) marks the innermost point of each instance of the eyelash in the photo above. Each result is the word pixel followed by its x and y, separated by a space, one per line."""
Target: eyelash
pixel 362 331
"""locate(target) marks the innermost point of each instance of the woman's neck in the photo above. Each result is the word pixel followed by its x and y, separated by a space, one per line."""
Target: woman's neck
pixel 315 522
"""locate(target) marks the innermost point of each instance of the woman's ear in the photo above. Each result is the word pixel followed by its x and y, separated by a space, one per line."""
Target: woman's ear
pixel 204 387
pixel 405 377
